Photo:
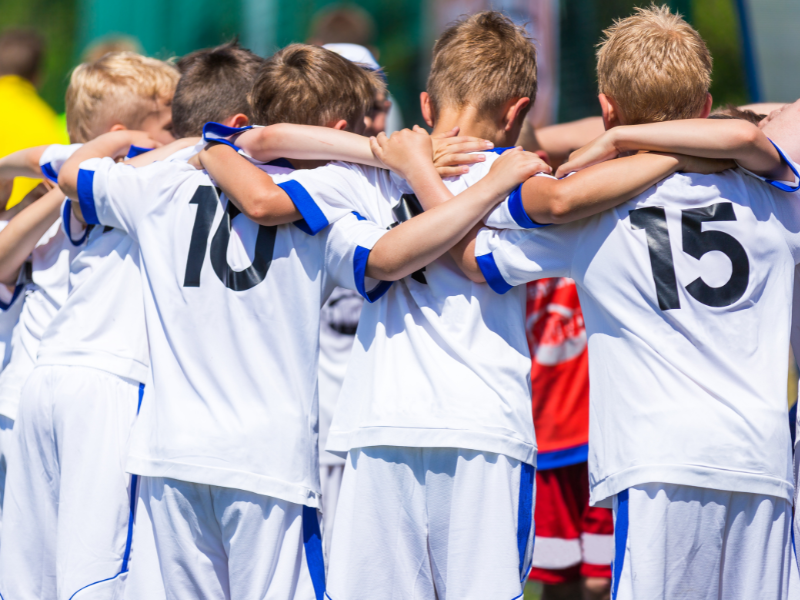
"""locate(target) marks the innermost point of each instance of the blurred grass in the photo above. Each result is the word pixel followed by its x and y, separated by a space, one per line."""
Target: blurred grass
pixel 533 590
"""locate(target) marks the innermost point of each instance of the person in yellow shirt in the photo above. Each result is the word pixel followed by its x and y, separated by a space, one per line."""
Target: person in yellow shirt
pixel 25 119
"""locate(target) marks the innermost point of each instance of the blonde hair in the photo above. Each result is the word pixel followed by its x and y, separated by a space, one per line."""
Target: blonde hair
pixel 482 60
pixel 655 66
pixel 120 87
pixel 309 85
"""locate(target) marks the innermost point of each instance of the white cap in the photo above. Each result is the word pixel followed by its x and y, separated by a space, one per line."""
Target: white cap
pixel 355 53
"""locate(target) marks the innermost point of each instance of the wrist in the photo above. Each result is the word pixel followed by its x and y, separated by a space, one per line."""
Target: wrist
pixel 425 171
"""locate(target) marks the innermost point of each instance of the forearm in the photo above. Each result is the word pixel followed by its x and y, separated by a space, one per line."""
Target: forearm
pixel 250 189
pixel 595 189
pixel 108 144
pixel 306 142
pixel 21 235
pixel 421 240
pixel 710 138
pixel 23 163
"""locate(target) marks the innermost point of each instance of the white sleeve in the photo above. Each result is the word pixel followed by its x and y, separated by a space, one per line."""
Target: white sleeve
pixel 510 213
pixel 116 194
pixel 350 241
pixel 326 194
pixel 784 186
pixel 508 258
pixel 54 157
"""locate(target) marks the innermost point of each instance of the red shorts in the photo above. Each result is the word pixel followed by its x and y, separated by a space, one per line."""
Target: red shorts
pixel 573 539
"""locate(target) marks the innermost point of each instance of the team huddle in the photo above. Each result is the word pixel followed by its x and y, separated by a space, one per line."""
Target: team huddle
pixel 160 405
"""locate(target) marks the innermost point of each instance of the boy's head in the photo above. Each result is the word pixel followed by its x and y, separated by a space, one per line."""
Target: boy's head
pixel 21 54
pixel 729 111
pixel 308 85
pixel 653 66
pixel 485 63
pixel 121 90
pixel 214 86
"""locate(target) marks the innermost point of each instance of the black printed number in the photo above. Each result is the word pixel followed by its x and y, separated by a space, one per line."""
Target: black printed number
pixel 207 199
pixel 696 243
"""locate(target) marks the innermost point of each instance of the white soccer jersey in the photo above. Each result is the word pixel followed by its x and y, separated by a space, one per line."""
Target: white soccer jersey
pixel 102 322
pixel 232 311
pixel 440 361
pixel 11 301
pixel 50 262
pixel 337 331
pixel 686 292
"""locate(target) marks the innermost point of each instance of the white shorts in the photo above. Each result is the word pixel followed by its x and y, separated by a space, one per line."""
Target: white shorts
pixel 432 522
pixel 6 444
pixel 143 579
pixel 677 541
pixel 217 543
pixel 68 518
pixel 330 479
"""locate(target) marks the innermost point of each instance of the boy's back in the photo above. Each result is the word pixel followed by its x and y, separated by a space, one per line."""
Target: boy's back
pixel 675 287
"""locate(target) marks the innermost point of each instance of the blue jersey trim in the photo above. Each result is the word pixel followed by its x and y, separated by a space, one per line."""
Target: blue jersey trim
pixel 312 542
pixel 17 291
pixel 66 218
pixel 491 273
pixel 360 273
pixel 779 184
pixel 135 151
pixel 281 162
pixel 620 541
pixel 517 210
pixel 499 150
pixel 359 217
pixel 562 458
pixel 524 513
pixel 217 132
pixel 314 220
pixel 49 172
pixel 86 196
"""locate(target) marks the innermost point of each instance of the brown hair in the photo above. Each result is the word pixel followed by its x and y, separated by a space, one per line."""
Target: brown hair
pixel 655 66
pixel 342 24
pixel 121 87
pixel 21 53
pixel 729 111
pixel 483 60
pixel 309 85
pixel 214 85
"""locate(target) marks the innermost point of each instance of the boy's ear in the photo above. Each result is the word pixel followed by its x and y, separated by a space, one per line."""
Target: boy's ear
pixel 611 116
pixel 514 111
pixel 117 127
pixel 426 107
pixel 707 106
pixel 238 120
pixel 341 125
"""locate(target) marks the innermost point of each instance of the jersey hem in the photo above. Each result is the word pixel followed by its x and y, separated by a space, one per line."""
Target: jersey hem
pixel 238 480
pixel 116 365
pixel 692 475
pixel 343 442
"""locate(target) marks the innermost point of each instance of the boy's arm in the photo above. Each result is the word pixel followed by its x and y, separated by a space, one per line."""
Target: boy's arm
pixel 24 231
pixel 710 138
pixel 23 163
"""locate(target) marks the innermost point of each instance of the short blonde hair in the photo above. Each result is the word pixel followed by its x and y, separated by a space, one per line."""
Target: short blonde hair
pixel 655 66
pixel 483 60
pixel 309 85
pixel 120 87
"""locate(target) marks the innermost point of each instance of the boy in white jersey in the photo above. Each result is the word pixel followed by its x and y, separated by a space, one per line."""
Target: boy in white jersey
pixel 226 439
pixel 435 410
pixel 69 507
pixel 686 292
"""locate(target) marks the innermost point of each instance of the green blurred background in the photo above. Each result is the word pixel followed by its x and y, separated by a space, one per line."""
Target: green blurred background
pixel 403 37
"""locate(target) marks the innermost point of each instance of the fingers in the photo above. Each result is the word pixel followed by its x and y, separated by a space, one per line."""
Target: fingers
pixel 448 160
pixel 376 148
pixel 446 134
pixel 463 145
pixel 452 171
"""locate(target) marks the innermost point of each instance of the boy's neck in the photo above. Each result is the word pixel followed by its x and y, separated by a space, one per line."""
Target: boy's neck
pixel 472 123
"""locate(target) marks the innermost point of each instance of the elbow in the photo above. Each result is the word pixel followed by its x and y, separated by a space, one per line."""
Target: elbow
pixel 68 182
pixel 560 210
pixel 260 208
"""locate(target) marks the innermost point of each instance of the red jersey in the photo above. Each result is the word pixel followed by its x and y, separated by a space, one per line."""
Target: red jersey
pixel 559 372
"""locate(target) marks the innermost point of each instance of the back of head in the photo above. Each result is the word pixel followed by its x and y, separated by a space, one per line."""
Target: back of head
pixel 655 66
pixel 21 53
pixel 342 24
pixel 308 85
pixel 483 60
pixel 730 111
pixel 121 87
pixel 111 43
pixel 214 86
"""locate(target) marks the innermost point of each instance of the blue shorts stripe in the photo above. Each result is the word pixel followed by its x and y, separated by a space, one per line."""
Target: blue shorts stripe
pixel 312 542
pixel 524 513
pixel 620 540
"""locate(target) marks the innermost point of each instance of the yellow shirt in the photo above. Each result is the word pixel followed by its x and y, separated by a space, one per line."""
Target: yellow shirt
pixel 25 121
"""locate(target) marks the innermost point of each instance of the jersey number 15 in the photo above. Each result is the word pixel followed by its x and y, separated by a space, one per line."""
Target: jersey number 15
pixel 696 243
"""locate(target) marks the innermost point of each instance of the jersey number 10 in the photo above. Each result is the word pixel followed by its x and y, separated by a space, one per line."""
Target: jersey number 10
pixel 207 199
pixel 696 243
